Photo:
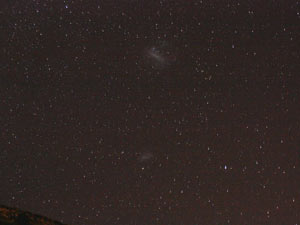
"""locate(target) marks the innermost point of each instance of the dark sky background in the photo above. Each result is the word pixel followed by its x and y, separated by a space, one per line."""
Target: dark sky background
pixel 146 112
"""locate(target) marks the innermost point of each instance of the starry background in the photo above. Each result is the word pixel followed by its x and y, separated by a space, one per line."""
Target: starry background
pixel 151 112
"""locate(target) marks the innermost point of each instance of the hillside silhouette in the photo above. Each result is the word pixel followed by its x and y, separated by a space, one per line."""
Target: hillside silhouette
pixel 14 216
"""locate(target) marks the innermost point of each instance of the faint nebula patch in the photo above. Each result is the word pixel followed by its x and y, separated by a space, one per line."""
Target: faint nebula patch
pixel 160 56
pixel 145 157
pixel 155 54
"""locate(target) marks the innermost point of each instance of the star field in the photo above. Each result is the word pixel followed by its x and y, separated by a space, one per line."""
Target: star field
pixel 151 112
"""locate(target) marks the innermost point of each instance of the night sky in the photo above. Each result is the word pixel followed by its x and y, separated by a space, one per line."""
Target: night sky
pixel 146 112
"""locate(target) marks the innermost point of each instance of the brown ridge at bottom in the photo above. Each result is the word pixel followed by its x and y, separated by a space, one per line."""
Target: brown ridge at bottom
pixel 14 216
